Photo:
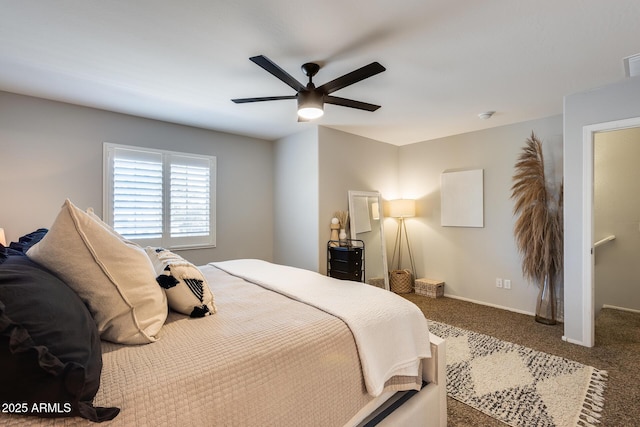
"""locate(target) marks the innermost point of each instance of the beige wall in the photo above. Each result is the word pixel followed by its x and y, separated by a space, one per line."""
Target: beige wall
pixel 617 213
pixel 351 162
pixel 314 170
pixel 296 200
pixel 50 151
pixel 469 260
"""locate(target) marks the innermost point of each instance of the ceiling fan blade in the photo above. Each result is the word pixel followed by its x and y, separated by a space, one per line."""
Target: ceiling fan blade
pixel 278 72
pixel 352 77
pixel 344 102
pixel 265 98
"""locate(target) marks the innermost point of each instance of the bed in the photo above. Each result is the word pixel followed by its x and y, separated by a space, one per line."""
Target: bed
pixel 265 354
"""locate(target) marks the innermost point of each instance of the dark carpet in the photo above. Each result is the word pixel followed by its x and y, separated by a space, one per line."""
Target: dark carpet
pixel 617 351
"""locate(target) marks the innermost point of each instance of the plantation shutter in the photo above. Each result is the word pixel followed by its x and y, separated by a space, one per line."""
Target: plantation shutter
pixel 137 194
pixel 190 200
pixel 160 198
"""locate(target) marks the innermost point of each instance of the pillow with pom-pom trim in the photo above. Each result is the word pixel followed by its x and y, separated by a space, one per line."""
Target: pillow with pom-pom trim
pixel 186 287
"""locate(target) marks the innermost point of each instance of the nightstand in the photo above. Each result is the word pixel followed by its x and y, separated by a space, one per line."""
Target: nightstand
pixel 346 262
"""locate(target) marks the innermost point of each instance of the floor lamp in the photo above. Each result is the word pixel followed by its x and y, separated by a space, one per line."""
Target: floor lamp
pixel 401 209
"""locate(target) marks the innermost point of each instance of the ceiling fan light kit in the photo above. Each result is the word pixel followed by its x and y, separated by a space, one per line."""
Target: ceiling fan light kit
pixel 310 104
pixel 311 100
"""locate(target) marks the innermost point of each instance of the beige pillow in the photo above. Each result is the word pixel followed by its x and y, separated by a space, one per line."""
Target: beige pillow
pixel 186 287
pixel 114 277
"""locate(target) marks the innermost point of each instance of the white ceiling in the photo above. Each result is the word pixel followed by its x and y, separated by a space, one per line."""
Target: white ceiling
pixel 447 61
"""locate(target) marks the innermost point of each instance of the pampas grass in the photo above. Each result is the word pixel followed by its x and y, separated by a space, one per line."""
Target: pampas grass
pixel 538 229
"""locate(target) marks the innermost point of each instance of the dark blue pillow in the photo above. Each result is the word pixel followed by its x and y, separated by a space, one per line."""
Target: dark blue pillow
pixel 50 353
pixel 25 242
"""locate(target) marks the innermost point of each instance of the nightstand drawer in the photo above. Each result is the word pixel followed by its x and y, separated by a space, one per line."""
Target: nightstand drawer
pixel 345 265
pixel 347 275
pixel 346 253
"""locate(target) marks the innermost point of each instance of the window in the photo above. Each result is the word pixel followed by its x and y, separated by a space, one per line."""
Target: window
pixel 160 198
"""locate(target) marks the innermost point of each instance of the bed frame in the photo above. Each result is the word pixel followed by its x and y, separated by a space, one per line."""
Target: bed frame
pixel 126 373
pixel 425 408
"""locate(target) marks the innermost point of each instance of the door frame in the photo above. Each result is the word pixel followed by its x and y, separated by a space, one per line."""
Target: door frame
pixel 588 264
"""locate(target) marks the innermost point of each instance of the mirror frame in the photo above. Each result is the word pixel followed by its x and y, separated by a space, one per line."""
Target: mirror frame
pixel 383 247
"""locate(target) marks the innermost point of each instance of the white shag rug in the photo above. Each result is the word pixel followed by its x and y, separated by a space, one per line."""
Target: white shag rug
pixel 517 385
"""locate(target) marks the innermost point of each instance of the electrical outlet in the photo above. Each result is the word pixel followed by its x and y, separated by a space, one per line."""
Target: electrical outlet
pixel 498 282
pixel 507 284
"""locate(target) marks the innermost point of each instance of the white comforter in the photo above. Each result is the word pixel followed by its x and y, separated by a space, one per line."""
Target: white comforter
pixel 390 332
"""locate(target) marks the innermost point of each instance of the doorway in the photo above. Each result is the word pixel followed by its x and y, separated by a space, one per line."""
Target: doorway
pixel 616 220
pixel 589 136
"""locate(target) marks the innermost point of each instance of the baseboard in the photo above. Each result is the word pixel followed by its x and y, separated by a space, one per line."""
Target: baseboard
pixel 515 310
pixel 620 308
pixel 572 341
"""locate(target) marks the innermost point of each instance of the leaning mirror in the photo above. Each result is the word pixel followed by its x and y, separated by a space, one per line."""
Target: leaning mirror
pixel 366 219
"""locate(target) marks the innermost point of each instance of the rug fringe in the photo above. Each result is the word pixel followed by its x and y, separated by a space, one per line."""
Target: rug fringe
pixel 594 400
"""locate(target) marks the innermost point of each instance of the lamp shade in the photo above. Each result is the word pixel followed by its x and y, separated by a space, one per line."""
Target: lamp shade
pixel 402 208
pixel 3 239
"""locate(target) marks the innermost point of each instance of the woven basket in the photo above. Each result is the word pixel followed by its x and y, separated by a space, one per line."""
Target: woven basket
pixel 400 281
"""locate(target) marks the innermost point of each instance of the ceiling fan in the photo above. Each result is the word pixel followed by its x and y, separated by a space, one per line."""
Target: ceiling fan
pixel 311 99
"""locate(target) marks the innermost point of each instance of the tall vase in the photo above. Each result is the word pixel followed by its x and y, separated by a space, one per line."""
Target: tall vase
pixel 546 306
pixel 343 237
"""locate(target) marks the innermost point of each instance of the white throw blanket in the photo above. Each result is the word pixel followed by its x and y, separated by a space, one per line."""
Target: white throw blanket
pixel 391 333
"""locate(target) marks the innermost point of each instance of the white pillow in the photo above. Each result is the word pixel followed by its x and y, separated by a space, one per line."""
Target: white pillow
pixel 114 277
pixel 187 289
